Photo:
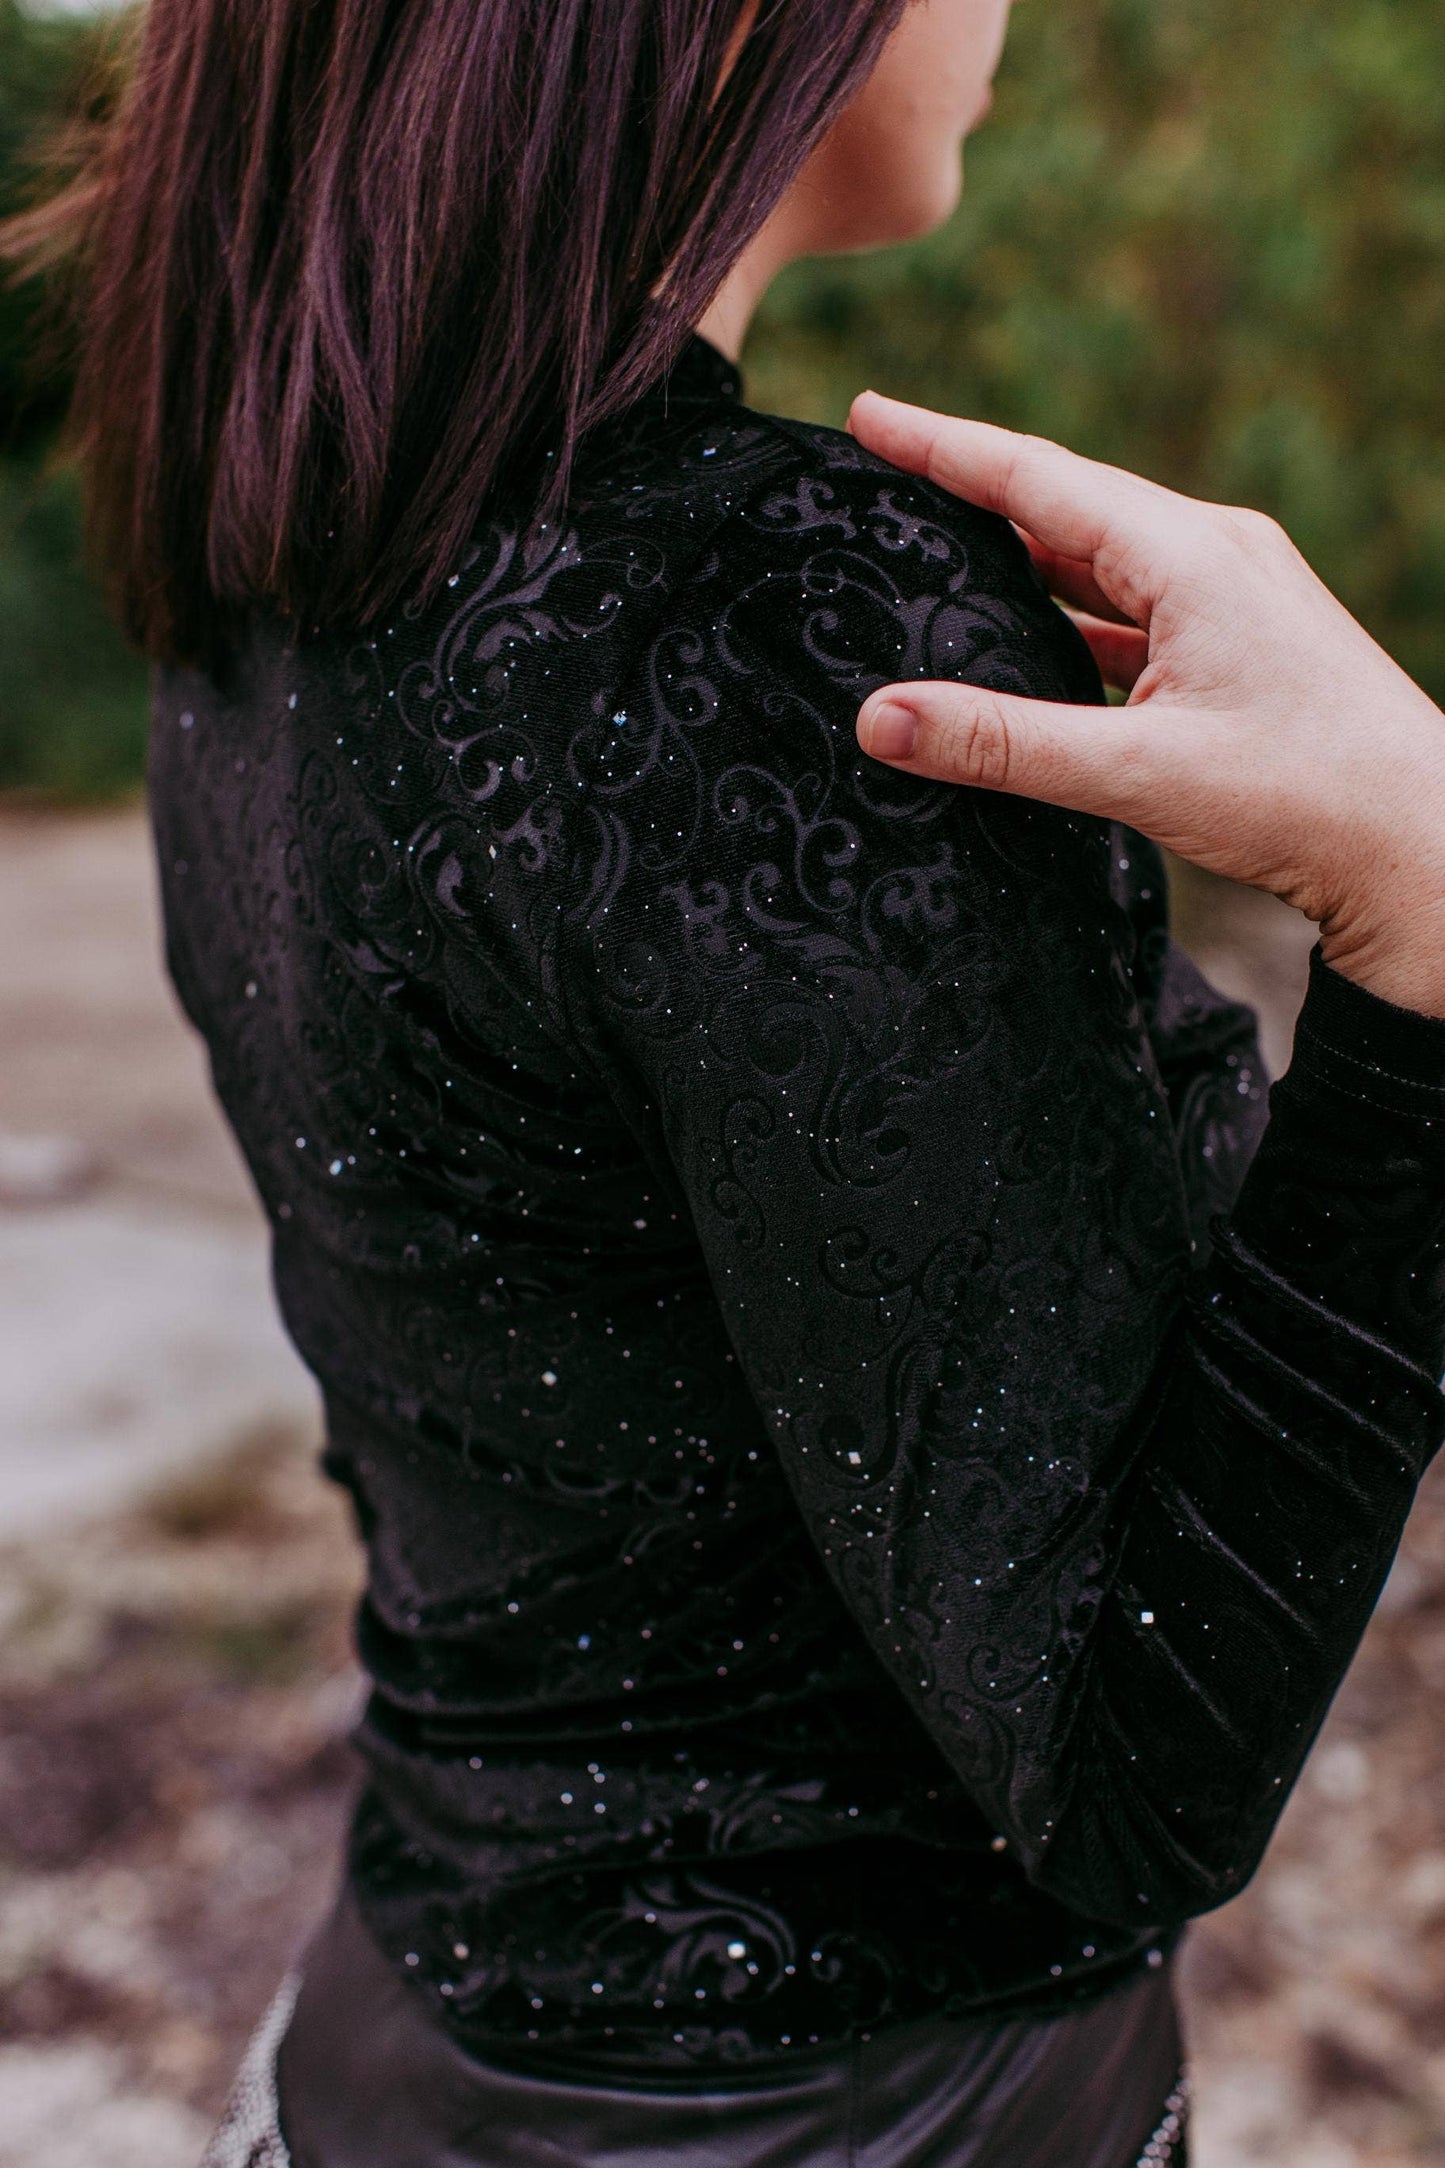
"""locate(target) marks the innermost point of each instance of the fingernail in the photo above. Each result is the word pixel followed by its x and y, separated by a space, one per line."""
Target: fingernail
pixel 848 425
pixel 887 731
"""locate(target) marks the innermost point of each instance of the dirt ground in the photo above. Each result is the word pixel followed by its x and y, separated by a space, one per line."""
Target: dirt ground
pixel 176 1679
pixel 137 1330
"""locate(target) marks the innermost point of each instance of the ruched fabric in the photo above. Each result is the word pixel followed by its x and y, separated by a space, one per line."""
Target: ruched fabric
pixel 364 2077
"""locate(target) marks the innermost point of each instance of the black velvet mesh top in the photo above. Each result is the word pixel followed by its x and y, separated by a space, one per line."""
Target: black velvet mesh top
pixel 865 1513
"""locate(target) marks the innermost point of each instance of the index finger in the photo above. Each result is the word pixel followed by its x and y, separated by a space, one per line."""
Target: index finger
pixel 1075 506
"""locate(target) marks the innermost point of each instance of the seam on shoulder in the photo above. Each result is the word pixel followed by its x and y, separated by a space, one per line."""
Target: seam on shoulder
pixel 803 436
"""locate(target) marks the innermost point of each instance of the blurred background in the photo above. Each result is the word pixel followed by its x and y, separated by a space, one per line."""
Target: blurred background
pixel 1203 237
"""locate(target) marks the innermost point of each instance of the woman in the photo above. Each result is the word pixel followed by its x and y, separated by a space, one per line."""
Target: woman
pixel 859 1545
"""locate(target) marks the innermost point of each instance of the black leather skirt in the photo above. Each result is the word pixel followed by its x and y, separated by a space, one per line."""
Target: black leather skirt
pixel 351 2071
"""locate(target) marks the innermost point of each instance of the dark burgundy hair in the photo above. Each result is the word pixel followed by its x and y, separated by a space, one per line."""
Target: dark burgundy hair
pixel 350 265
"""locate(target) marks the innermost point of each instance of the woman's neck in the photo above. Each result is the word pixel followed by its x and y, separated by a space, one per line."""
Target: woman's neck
pixel 724 322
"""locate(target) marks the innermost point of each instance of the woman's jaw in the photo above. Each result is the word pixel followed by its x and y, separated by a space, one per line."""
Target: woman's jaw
pixel 890 168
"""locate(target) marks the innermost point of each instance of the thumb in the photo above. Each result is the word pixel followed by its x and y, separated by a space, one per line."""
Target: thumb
pixel 1116 762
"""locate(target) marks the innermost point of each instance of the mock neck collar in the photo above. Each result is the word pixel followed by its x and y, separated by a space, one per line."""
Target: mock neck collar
pixel 701 372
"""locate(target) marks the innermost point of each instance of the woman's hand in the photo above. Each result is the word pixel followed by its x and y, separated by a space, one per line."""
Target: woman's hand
pixel 1266 735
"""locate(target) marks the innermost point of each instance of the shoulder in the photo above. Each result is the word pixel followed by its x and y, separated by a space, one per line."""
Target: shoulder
pixel 725 794
pixel 847 570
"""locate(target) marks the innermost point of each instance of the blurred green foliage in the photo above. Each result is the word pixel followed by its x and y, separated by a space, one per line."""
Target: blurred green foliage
pixel 1202 237
pixel 72 695
pixel 72 698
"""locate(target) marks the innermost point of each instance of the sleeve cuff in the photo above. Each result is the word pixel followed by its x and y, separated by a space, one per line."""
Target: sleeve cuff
pixel 1367 1047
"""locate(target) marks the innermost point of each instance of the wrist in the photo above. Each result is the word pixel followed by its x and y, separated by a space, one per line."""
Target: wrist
pixel 1402 962
pixel 1392 940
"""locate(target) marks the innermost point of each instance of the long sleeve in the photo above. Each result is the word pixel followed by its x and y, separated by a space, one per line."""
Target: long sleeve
pixel 1112 1509
pixel 1205 1046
